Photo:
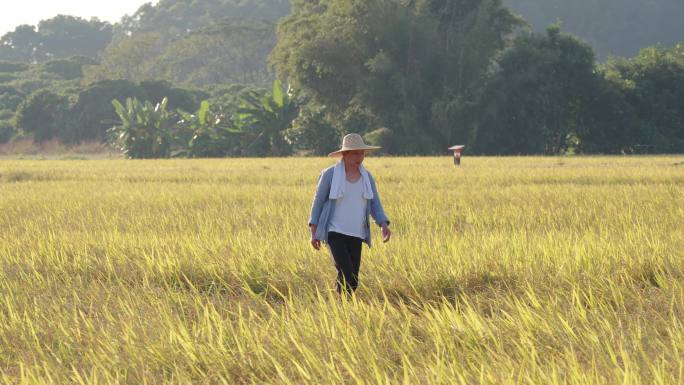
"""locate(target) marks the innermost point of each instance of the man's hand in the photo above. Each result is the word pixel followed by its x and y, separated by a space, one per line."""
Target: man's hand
pixel 386 233
pixel 316 243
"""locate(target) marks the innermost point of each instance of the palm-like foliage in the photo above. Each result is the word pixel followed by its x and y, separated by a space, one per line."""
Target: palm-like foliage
pixel 145 130
pixel 257 128
pixel 264 119
pixel 206 133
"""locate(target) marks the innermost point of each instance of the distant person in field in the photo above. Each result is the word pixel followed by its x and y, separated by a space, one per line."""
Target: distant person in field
pixel 345 198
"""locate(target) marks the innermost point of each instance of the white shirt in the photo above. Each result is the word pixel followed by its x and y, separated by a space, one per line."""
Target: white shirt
pixel 350 211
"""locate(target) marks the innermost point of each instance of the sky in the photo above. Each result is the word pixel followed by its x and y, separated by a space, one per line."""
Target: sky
pixel 17 12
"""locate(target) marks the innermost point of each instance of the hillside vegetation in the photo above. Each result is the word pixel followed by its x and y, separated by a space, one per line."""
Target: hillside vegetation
pixel 414 77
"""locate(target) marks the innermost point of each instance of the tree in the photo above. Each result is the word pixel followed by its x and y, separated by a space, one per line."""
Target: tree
pixel 10 98
pixel 20 44
pixel 201 42
pixel 311 133
pixel 70 68
pixel 63 36
pixel 179 17
pixel 93 114
pixel 43 115
pixel 537 101
pixel 179 98
pixel 642 109
pixel 232 50
pixel 129 59
pixel 7 129
pixel 12 67
pixel 414 69
pixel 59 37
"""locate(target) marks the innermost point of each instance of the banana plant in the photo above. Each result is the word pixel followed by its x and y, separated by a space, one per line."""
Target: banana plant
pixel 145 129
pixel 206 134
pixel 265 118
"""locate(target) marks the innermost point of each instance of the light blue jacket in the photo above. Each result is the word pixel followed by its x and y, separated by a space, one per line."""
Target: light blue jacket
pixel 322 208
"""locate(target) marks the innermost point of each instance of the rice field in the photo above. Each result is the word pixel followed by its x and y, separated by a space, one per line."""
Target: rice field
pixel 522 270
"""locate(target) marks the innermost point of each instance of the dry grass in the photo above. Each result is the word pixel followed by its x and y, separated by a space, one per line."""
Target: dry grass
pixel 26 148
pixel 505 271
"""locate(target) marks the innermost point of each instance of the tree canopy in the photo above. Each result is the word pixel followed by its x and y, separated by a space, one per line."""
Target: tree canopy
pixel 232 50
pixel 60 37
pixel 538 99
pixel 641 106
pixel 180 17
pixel 412 68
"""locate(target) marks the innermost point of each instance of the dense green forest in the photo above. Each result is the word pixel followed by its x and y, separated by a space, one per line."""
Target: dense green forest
pixel 198 78
pixel 59 37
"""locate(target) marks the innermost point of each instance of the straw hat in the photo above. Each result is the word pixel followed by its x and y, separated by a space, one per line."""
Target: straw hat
pixel 353 142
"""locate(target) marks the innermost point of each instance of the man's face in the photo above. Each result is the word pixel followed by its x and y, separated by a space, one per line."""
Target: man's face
pixel 354 157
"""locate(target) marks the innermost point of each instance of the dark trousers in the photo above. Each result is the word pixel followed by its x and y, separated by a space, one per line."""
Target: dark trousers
pixel 346 251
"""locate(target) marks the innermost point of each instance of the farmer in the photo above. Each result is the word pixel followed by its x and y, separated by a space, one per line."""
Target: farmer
pixel 345 198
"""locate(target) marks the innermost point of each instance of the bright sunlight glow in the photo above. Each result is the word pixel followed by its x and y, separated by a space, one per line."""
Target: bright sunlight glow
pixel 33 11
